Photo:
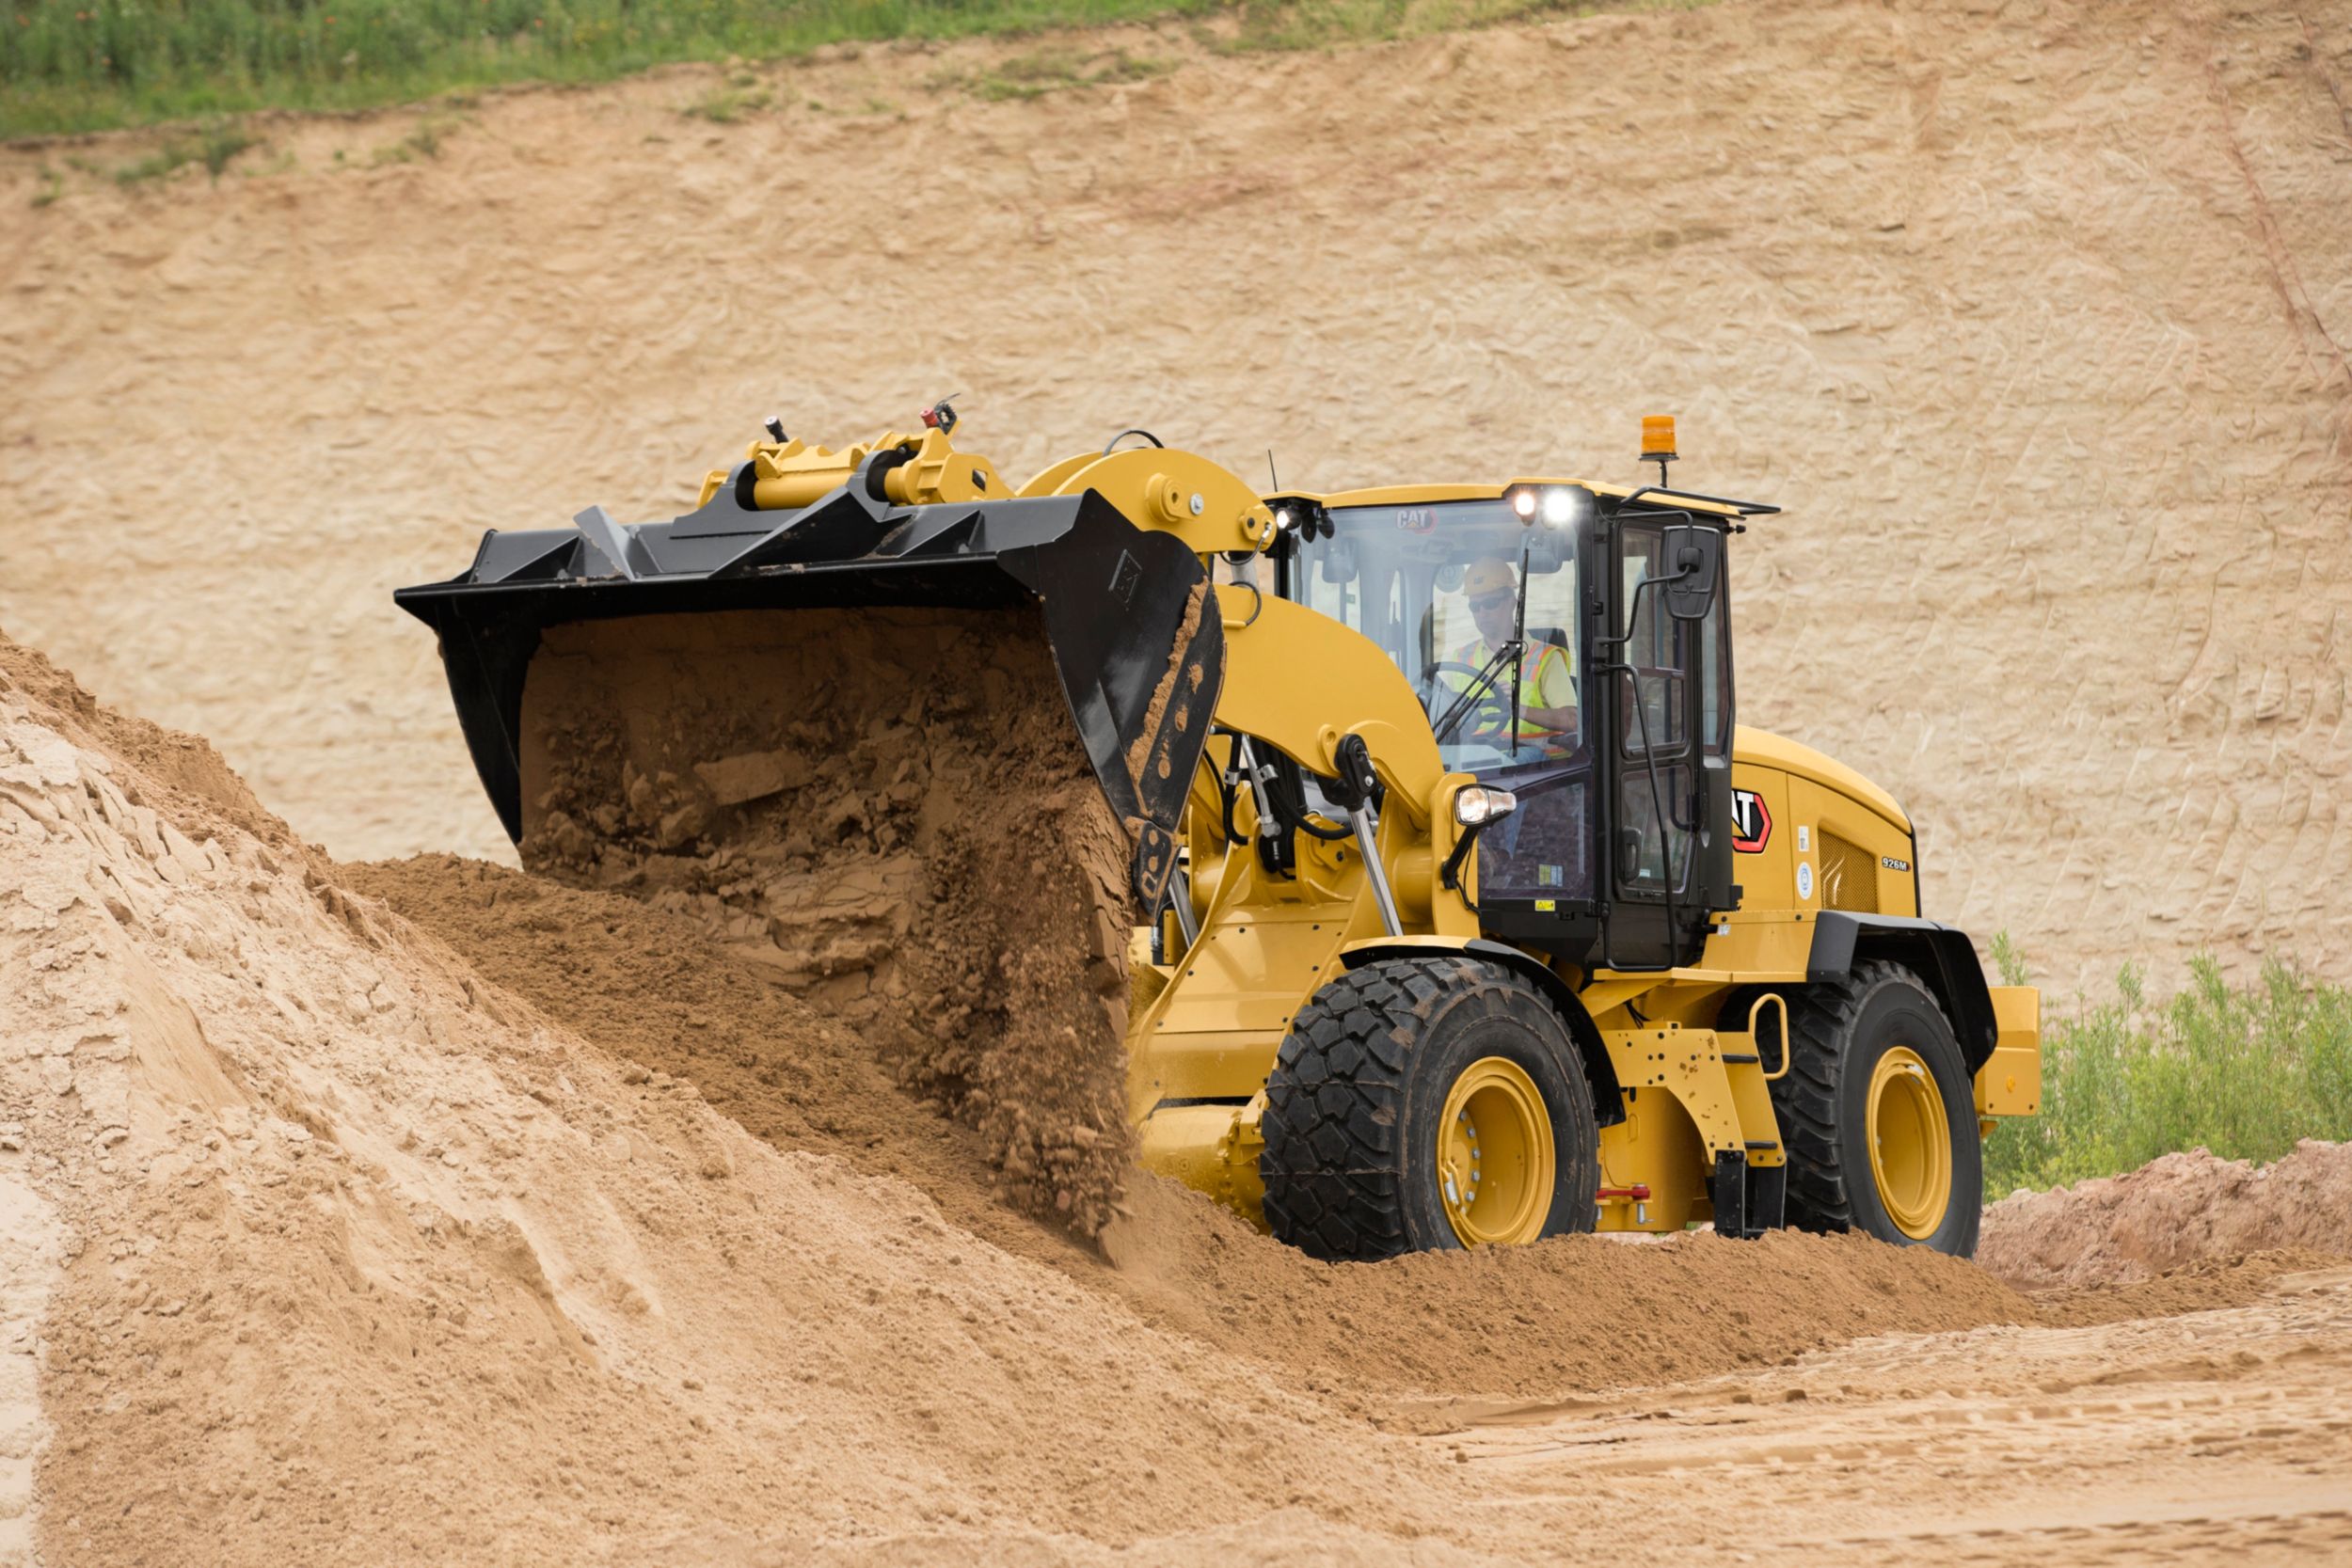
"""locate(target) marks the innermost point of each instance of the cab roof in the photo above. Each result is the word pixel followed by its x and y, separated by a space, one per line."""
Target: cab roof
pixel 1416 495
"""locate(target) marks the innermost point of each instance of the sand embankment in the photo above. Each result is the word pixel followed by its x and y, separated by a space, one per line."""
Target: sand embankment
pixel 450 1214
pixel 2036 322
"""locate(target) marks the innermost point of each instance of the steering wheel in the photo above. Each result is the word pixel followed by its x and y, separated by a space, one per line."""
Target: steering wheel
pixel 1490 714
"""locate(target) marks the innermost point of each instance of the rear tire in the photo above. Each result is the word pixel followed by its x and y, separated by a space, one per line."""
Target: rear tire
pixel 1407 1072
pixel 1875 1043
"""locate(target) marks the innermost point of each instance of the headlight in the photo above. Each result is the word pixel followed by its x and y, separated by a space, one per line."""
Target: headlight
pixel 1560 507
pixel 1476 803
pixel 1523 503
pixel 1282 518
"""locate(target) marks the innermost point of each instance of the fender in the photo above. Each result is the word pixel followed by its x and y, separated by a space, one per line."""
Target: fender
pixel 1607 1098
pixel 1943 957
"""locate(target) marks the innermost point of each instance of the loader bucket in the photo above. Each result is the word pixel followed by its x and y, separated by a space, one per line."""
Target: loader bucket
pixel 1129 617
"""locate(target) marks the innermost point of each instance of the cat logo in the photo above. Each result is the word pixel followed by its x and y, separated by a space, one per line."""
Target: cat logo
pixel 1751 824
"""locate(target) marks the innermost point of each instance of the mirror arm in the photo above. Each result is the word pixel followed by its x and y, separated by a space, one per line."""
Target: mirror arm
pixel 1450 874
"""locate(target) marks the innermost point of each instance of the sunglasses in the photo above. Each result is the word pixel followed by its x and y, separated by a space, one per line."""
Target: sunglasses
pixel 1501 598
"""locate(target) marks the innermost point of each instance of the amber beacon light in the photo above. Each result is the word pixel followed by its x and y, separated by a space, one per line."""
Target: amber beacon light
pixel 1658 441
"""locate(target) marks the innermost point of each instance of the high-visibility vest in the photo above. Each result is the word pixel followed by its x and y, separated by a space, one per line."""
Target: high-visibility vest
pixel 1531 671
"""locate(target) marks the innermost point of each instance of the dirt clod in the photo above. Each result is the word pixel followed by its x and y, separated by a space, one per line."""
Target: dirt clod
pixel 889 812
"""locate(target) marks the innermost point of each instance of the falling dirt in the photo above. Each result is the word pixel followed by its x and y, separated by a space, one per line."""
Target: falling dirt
pixel 887 809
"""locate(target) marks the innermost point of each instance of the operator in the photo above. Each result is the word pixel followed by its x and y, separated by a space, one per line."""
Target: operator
pixel 1547 713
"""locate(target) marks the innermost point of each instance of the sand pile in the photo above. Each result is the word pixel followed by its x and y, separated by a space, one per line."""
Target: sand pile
pixel 325 1243
pixel 649 985
pixel 349 1252
pixel 891 812
pixel 2174 1212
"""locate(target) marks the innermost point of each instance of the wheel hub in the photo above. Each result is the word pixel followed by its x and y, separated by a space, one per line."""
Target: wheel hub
pixel 1911 1143
pixel 1495 1159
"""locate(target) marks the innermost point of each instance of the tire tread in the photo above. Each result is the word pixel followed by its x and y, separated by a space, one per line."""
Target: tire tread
pixel 1333 1166
pixel 1821 1023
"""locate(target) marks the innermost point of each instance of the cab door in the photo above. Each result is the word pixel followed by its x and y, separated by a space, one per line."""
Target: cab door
pixel 1668 774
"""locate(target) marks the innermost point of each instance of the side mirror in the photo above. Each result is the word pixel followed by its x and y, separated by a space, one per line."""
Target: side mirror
pixel 1693 570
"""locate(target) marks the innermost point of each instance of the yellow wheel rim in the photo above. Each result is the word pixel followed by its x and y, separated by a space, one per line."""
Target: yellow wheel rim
pixel 1495 1164
pixel 1911 1143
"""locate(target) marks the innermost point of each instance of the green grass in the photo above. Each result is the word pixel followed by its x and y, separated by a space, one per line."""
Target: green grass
pixel 212 144
pixel 1043 71
pixel 78 65
pixel 2244 1071
pixel 725 105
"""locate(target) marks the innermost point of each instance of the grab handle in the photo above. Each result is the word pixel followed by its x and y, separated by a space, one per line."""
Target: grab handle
pixel 1788 1046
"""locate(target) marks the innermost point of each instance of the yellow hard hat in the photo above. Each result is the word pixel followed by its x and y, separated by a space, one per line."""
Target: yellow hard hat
pixel 1488 575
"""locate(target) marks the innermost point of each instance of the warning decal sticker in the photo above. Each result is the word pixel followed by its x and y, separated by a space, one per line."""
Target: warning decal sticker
pixel 1751 824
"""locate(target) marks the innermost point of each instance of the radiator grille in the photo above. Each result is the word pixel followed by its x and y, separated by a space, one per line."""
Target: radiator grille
pixel 1850 876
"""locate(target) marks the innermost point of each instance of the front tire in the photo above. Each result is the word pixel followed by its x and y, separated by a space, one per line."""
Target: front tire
pixel 1878 1115
pixel 1427 1103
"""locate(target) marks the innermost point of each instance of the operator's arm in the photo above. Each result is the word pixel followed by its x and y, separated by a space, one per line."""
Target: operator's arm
pixel 1551 701
pixel 1548 701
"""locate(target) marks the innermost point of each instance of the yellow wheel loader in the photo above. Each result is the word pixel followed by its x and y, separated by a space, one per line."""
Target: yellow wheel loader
pixel 1465 912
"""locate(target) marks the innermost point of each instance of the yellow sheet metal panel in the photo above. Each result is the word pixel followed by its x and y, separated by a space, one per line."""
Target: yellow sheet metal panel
pixel 1219 1065
pixel 2009 1082
pixel 1301 682
pixel 1216 1027
pixel 1762 749
pixel 1846 855
pixel 1760 946
pixel 1430 495
pixel 1763 837
pixel 1210 1148
pixel 1653 1167
pixel 1689 1065
pixel 1255 971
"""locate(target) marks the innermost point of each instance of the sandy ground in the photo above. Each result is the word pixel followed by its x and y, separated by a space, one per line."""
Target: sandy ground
pixel 430 1212
pixel 2122 1229
pixel 2031 314
pixel 423 1212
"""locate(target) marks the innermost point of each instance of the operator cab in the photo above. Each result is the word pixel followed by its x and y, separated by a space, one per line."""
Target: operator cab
pixel 1504 607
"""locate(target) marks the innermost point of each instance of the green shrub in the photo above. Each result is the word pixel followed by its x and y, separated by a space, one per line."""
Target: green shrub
pixel 2244 1071
pixel 728 104
pixel 213 144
